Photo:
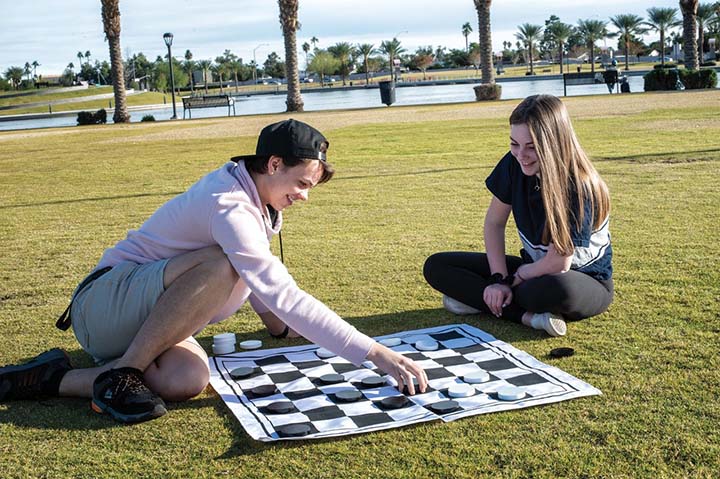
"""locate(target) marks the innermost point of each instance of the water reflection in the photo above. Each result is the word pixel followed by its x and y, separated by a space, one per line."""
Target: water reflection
pixel 349 99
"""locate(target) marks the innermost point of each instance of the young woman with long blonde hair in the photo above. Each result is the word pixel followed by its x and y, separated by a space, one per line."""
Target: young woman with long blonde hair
pixel 561 208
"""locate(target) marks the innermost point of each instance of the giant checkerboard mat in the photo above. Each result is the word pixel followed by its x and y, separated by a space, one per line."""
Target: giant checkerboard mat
pixel 463 349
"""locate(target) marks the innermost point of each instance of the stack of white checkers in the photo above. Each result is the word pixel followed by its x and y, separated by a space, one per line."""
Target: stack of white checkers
pixel 225 344
pixel 306 392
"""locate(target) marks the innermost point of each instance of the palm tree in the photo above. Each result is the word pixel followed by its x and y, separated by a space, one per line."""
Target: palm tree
pixel 290 26
pixel 111 24
pixel 342 51
pixel 690 27
pixel 87 56
pixel 314 41
pixel 591 31
pixel 14 75
pixel 392 49
pixel 560 33
pixel 189 65
pixel 80 57
pixel 705 18
pixel 205 66
pixel 35 64
pixel 628 25
pixel 27 70
pixel 661 20
pixel 466 31
pixel 219 70
pixel 366 49
pixel 321 63
pixel 306 50
pixel 529 34
pixel 485 41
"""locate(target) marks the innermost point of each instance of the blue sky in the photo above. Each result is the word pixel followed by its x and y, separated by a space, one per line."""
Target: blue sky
pixel 52 32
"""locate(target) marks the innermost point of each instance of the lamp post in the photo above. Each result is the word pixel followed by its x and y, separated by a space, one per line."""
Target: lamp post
pixel 168 37
pixel 255 63
pixel 394 71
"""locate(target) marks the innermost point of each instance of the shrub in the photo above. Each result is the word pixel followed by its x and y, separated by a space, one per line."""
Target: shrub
pixel 699 79
pixel 148 118
pixel 661 66
pixel 90 118
pixel 708 64
pixel 662 79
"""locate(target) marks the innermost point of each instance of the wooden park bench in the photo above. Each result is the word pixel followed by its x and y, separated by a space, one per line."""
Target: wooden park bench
pixel 207 101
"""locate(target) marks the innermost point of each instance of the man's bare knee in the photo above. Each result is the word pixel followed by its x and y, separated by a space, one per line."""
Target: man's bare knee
pixel 178 375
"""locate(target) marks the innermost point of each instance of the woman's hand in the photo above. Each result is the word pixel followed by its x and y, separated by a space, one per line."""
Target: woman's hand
pixel 497 296
pixel 402 368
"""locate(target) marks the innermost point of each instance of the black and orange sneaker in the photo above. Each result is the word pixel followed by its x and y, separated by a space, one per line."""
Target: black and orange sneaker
pixel 38 378
pixel 123 394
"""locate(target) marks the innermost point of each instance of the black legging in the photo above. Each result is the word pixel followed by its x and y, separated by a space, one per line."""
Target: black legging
pixel 464 277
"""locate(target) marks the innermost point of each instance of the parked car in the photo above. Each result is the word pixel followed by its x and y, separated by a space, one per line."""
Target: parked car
pixel 307 80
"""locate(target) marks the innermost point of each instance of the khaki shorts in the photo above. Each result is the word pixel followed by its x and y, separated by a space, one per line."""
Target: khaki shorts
pixel 108 313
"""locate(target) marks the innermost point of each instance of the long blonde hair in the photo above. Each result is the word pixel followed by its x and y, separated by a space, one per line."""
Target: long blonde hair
pixel 564 168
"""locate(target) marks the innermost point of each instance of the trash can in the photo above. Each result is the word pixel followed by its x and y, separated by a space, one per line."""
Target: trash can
pixel 387 92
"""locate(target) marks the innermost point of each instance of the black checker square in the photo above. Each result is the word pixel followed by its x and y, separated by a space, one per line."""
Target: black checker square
pixel 324 413
pixel 471 349
pixel 526 380
pixel 438 373
pixel 415 356
pixel 496 364
pixel 452 360
pixel 286 377
pixel 277 359
pixel 446 336
pixel 341 368
pixel 309 364
pixel 371 419
pixel 307 393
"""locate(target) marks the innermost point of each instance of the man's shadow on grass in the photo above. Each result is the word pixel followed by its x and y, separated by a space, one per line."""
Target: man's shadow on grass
pixel 76 414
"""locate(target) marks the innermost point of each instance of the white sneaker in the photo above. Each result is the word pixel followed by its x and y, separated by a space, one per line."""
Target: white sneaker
pixel 456 307
pixel 554 325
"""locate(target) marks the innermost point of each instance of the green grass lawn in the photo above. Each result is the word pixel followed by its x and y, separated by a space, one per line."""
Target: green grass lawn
pixel 410 182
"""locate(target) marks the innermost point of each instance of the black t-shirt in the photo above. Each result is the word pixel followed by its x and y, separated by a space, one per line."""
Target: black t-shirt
pixel 593 251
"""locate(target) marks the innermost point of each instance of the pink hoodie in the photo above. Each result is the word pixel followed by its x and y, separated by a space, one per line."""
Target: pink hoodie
pixel 224 209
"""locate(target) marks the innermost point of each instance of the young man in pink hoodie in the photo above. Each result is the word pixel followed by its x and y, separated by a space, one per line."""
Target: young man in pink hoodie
pixel 194 262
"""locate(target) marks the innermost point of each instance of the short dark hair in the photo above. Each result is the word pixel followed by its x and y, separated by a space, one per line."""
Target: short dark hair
pixel 258 165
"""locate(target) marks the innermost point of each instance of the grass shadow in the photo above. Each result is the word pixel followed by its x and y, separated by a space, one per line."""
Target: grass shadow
pixel 85 200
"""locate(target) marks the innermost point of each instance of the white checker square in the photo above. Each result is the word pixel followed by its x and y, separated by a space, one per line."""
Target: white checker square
pixel 509 373
pixel 300 384
pixel 318 371
pixel 313 402
pixel 427 398
pixel 278 420
pixel 358 375
pixel 412 411
pixel 380 393
pixel 334 424
pixel 479 356
pixel 464 369
pixel 358 408
pixel 478 400
pixel 458 343
pixel 301 356
pixel 440 353
pixel 248 384
pixel 333 388
pixel 278 368
pixel 264 401
pixel 542 389
pixel 428 364
pixel 369 365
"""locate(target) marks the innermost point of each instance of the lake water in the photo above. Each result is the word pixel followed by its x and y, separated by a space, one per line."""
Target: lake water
pixel 349 99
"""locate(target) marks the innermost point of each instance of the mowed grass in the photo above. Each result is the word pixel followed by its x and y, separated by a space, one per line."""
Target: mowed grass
pixel 410 182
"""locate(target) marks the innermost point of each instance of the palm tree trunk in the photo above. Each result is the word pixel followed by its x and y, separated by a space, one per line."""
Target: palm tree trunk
pixel 627 49
pixel 367 74
pixel 236 80
pixel 592 57
pixel 530 49
pixel 485 41
pixel 662 48
pixel 289 22
pixel 560 48
pixel 689 13
pixel 700 45
pixel 111 24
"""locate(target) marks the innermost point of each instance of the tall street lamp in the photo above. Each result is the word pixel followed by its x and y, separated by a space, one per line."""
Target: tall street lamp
pixel 168 37
pixel 255 62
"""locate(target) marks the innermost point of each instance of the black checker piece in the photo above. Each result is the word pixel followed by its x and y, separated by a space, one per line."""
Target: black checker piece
pixel 296 430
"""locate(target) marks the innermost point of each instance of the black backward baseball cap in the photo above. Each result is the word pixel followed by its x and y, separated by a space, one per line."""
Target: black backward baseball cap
pixel 290 138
